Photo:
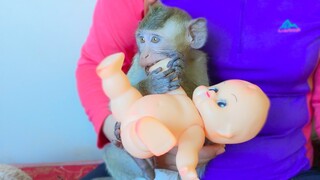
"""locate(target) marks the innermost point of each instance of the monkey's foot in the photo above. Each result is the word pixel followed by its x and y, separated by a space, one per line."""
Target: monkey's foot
pixel 188 174
pixel 155 135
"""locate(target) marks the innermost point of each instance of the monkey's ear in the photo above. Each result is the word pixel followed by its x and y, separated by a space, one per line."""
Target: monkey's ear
pixel 148 8
pixel 197 32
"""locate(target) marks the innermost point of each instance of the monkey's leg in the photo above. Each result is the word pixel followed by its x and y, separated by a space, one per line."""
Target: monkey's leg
pixel 190 143
pixel 155 135
pixel 146 166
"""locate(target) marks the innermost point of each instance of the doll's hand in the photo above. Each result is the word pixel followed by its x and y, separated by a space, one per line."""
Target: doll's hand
pixel 208 152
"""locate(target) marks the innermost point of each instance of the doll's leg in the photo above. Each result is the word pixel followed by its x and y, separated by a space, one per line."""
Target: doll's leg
pixel 155 135
pixel 132 142
pixel 147 137
pixel 190 143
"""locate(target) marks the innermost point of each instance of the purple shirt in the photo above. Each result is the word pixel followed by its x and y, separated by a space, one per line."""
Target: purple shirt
pixel 274 44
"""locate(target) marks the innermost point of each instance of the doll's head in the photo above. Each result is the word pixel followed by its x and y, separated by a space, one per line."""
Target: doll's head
pixel 233 111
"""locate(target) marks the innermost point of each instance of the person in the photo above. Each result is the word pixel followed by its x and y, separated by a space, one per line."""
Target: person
pixel 274 44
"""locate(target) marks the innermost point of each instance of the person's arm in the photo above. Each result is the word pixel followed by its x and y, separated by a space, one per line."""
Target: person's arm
pixel 316 97
pixel 113 28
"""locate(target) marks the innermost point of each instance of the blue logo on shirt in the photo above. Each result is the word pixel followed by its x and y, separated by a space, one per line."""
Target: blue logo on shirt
pixel 288 27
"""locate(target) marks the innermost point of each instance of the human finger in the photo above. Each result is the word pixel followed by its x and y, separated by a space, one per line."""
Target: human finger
pixel 209 152
pixel 167 161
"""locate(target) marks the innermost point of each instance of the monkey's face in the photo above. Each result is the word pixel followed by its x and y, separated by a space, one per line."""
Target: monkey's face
pixel 156 45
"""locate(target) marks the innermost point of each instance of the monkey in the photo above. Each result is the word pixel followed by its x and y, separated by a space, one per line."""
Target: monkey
pixel 169 32
pixel 165 32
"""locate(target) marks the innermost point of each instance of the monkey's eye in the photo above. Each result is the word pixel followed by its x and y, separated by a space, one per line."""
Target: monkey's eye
pixel 214 89
pixel 141 39
pixel 155 39
pixel 222 103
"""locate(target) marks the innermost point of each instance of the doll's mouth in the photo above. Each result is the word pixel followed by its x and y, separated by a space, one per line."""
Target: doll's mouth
pixel 208 94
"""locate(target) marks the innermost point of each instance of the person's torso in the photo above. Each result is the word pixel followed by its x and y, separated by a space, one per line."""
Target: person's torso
pixel 274 44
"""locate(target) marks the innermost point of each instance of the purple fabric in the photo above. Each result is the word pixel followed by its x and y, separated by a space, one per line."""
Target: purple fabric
pixel 274 44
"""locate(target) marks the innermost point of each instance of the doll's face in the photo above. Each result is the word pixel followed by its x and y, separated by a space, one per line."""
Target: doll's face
pixel 233 111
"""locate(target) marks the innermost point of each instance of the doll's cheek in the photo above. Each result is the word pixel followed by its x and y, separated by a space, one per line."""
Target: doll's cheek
pixel 199 92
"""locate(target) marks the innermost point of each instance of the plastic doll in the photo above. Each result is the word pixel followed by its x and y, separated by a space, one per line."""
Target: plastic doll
pixel 233 111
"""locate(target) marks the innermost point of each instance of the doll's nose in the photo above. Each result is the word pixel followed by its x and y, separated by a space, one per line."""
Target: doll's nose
pixel 212 94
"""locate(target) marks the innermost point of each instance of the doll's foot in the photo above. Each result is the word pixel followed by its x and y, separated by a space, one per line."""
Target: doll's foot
pixel 155 135
pixel 188 174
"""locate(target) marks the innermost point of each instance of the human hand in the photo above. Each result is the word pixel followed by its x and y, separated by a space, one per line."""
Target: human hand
pixel 208 152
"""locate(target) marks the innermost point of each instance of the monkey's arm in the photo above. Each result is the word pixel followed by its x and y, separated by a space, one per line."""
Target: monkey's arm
pixel 194 72
pixel 155 82
pixel 136 73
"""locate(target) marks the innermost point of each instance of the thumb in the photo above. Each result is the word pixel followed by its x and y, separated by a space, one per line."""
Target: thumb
pixel 210 151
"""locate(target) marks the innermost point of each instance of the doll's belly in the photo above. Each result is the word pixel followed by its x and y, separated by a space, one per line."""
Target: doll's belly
pixel 177 112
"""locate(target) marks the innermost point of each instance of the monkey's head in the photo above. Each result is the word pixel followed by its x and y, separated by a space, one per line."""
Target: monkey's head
pixel 166 32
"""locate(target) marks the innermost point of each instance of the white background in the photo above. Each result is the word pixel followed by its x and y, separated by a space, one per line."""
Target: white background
pixel 41 118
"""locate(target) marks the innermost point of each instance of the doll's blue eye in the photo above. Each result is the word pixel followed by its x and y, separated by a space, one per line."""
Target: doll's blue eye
pixel 214 89
pixel 222 103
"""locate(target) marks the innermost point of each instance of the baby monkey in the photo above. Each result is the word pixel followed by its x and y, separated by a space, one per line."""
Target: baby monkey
pixel 165 32
pixel 169 32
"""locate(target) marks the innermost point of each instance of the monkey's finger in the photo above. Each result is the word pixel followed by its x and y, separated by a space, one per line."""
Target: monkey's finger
pixel 174 85
pixel 175 82
pixel 167 72
pixel 172 62
pixel 171 88
pixel 178 70
pixel 172 76
pixel 178 64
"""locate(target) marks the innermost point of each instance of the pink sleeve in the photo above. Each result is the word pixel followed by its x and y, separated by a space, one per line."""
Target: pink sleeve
pixel 113 28
pixel 316 98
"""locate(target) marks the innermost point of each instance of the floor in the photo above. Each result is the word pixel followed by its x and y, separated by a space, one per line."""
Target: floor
pixel 58 172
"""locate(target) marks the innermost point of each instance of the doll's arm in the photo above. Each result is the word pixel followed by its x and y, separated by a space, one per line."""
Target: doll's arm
pixel 189 145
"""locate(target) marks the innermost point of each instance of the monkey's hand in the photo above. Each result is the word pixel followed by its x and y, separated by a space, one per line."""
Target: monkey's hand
pixel 176 63
pixel 159 82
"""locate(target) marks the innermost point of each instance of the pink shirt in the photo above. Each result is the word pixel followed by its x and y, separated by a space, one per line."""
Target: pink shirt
pixel 106 38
